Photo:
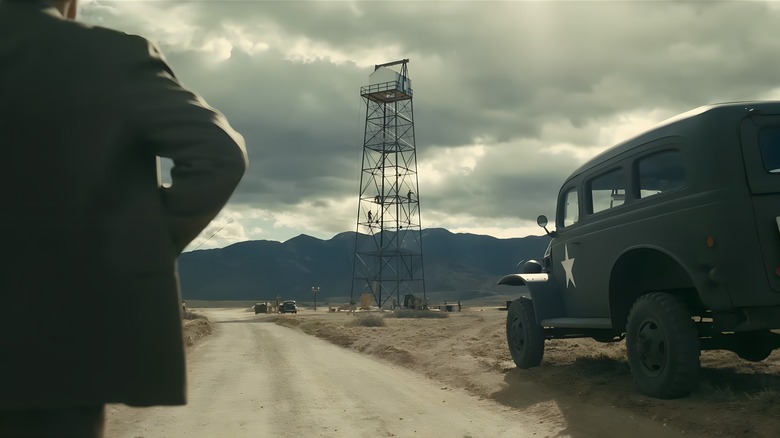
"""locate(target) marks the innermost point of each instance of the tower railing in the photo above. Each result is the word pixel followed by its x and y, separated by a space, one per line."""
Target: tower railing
pixel 390 91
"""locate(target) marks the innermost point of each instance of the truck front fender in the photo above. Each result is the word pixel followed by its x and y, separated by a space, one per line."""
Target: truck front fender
pixel 544 294
pixel 522 279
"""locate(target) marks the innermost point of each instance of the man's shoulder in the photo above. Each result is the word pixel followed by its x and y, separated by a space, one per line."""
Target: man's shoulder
pixel 20 17
pixel 108 42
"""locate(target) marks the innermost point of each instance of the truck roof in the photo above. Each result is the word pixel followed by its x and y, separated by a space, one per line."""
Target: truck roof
pixel 679 125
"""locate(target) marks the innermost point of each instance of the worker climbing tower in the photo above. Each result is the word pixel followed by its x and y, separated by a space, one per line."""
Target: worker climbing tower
pixel 388 259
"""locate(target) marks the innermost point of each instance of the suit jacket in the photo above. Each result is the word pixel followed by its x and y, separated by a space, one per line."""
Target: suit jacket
pixel 88 286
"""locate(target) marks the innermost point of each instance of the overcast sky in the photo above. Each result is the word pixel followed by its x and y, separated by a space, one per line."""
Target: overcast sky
pixel 509 97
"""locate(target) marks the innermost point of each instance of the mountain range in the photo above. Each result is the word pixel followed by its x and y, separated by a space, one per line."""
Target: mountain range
pixel 456 266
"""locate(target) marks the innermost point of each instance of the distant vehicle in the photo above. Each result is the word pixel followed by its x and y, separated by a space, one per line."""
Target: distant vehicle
pixel 670 240
pixel 261 308
pixel 288 307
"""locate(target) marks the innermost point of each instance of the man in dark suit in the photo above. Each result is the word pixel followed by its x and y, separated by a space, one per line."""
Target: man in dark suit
pixel 88 284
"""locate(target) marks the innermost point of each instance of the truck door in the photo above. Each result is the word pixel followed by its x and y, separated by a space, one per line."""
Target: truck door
pixel 566 254
pixel 586 258
pixel 760 137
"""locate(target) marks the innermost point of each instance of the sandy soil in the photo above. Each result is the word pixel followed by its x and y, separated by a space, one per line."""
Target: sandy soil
pixel 253 378
pixel 582 384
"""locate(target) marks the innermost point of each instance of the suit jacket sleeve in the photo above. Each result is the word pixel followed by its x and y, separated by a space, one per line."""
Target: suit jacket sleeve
pixel 209 157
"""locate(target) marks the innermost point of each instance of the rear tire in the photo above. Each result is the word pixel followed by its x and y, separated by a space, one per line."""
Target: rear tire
pixel 662 344
pixel 524 335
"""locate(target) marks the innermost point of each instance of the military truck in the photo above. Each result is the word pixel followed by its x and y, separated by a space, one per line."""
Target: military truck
pixel 671 241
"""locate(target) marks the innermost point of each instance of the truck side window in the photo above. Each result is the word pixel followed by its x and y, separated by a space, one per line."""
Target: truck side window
pixel 769 142
pixel 660 172
pixel 571 209
pixel 607 190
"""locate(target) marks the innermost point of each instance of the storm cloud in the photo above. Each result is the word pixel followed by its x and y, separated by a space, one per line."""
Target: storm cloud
pixel 509 97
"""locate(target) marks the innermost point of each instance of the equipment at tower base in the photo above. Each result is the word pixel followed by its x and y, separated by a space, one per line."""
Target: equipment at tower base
pixel 388 260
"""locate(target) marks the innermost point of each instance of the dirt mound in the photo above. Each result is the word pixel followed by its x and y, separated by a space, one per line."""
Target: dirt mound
pixel 195 328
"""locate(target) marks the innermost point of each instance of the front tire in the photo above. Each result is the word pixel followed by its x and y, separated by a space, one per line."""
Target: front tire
pixel 524 335
pixel 662 344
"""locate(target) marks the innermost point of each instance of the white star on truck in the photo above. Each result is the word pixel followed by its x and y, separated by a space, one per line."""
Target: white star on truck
pixel 568 266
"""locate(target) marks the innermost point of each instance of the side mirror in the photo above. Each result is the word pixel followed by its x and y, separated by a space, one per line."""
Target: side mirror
pixel 542 222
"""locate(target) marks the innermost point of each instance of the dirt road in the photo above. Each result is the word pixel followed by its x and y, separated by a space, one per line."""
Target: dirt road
pixel 253 378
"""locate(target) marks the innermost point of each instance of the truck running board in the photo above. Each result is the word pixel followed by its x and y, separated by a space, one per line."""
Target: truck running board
pixel 587 323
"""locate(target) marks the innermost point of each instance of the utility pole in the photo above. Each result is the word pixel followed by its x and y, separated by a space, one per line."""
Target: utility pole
pixel 315 290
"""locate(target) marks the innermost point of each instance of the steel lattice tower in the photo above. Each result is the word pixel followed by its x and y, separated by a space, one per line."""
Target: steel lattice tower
pixel 388 259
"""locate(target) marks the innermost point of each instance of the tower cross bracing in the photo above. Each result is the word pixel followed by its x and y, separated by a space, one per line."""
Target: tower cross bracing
pixel 388 261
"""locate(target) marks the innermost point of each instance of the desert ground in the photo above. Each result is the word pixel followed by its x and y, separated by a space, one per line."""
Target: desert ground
pixel 583 388
pixel 253 378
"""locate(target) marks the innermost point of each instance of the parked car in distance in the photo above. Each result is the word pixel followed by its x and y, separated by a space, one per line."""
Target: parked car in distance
pixel 288 307
pixel 670 240
pixel 261 307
